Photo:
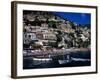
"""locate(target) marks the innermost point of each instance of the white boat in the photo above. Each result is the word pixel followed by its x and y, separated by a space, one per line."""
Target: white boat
pixel 42 59
pixel 39 61
pixel 80 59
pixel 63 61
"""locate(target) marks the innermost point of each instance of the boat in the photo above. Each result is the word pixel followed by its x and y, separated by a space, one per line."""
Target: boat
pixel 63 61
pixel 39 61
pixel 42 59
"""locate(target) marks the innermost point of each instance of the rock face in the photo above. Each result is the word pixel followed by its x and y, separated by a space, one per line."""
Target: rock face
pixel 53 32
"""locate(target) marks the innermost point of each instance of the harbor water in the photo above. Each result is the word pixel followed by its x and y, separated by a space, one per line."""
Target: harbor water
pixel 73 59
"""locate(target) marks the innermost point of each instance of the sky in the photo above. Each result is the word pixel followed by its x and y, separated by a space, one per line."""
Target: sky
pixel 79 18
